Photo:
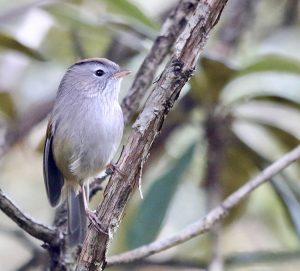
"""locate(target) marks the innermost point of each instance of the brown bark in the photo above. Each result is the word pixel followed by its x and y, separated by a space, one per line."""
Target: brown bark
pixel 145 130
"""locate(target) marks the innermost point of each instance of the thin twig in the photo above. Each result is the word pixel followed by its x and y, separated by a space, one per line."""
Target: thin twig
pixel 204 224
pixel 35 229
pixel 232 260
pixel 171 29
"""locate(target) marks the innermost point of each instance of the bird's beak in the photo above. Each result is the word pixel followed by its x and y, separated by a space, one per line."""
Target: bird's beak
pixel 121 73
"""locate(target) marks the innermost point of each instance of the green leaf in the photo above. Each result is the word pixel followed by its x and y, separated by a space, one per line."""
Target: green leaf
pixel 262 84
pixel 130 10
pixel 274 114
pixel 122 23
pixel 218 69
pixel 273 63
pixel 9 42
pixel 7 104
pixel 207 83
pixel 235 153
pixel 71 16
pixel 151 212
pixel 260 139
pixel 100 24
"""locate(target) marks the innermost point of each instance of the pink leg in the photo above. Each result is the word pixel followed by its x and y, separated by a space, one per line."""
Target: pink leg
pixel 91 214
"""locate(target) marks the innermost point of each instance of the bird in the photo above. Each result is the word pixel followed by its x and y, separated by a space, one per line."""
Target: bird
pixel 84 131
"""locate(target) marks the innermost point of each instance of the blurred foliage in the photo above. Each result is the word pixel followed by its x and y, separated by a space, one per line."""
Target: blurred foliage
pixel 8 42
pixel 157 201
pixel 249 94
pixel 7 104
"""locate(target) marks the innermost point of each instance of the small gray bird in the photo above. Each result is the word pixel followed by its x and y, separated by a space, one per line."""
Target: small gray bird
pixel 83 135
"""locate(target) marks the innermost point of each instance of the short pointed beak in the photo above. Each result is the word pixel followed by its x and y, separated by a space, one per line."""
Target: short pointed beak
pixel 121 73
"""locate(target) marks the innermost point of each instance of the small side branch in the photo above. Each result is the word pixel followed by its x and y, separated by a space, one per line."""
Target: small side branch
pixel 35 229
pixel 204 224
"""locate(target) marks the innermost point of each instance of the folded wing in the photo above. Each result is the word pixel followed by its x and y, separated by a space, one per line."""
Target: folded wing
pixel 53 178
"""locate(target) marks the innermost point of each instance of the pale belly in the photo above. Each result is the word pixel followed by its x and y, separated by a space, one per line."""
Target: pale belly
pixel 82 150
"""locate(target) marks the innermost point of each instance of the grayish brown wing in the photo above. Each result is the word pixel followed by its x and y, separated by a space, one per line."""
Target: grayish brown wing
pixel 53 178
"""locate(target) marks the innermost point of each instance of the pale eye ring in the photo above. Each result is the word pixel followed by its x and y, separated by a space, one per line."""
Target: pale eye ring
pixel 99 72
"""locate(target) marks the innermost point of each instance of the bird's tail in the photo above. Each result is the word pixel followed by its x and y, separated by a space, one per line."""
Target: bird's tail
pixel 77 221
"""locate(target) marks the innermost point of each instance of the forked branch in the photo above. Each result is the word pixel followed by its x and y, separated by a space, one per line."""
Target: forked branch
pixel 146 128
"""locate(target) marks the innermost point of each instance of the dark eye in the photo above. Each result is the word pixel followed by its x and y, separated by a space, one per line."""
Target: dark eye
pixel 99 72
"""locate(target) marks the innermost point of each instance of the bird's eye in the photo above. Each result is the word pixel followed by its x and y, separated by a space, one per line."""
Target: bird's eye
pixel 99 72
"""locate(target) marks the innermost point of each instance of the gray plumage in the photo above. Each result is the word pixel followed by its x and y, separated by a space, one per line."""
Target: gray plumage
pixel 83 135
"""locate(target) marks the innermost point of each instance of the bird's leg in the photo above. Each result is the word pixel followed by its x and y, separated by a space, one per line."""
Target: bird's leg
pixel 91 215
pixel 111 168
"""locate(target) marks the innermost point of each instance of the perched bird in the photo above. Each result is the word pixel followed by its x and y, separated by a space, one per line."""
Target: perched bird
pixel 83 134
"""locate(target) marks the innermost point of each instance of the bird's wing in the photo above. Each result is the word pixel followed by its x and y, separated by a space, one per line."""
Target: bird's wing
pixel 53 178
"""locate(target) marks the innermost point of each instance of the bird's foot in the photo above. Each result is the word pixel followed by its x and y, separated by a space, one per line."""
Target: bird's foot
pixel 91 215
pixel 111 168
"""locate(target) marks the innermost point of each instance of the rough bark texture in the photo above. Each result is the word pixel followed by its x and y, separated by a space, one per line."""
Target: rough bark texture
pixel 146 128
pixel 171 29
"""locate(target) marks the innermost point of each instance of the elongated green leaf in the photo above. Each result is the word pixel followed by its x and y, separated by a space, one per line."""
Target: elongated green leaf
pixel 151 212
pixel 262 84
pixel 259 138
pixel 9 42
pixel 74 16
pixel 273 63
pixel 70 15
pixel 128 9
pixel 218 68
pixel 274 114
pixel 218 73
pixel 213 75
pixel 7 104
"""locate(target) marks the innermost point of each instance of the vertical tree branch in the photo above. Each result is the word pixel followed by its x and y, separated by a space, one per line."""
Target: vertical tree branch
pixel 215 134
pixel 171 28
pixel 145 130
pixel 291 13
pixel 241 16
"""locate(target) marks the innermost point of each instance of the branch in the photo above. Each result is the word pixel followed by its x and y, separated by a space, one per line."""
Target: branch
pixel 171 29
pixel 240 17
pixel 145 130
pixel 35 229
pixel 291 13
pixel 204 224
pixel 21 127
pixel 238 259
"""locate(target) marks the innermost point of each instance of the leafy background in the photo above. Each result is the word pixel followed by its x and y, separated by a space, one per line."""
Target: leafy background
pixel 239 112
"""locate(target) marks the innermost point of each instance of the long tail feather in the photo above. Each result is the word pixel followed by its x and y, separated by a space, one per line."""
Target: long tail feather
pixel 77 221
